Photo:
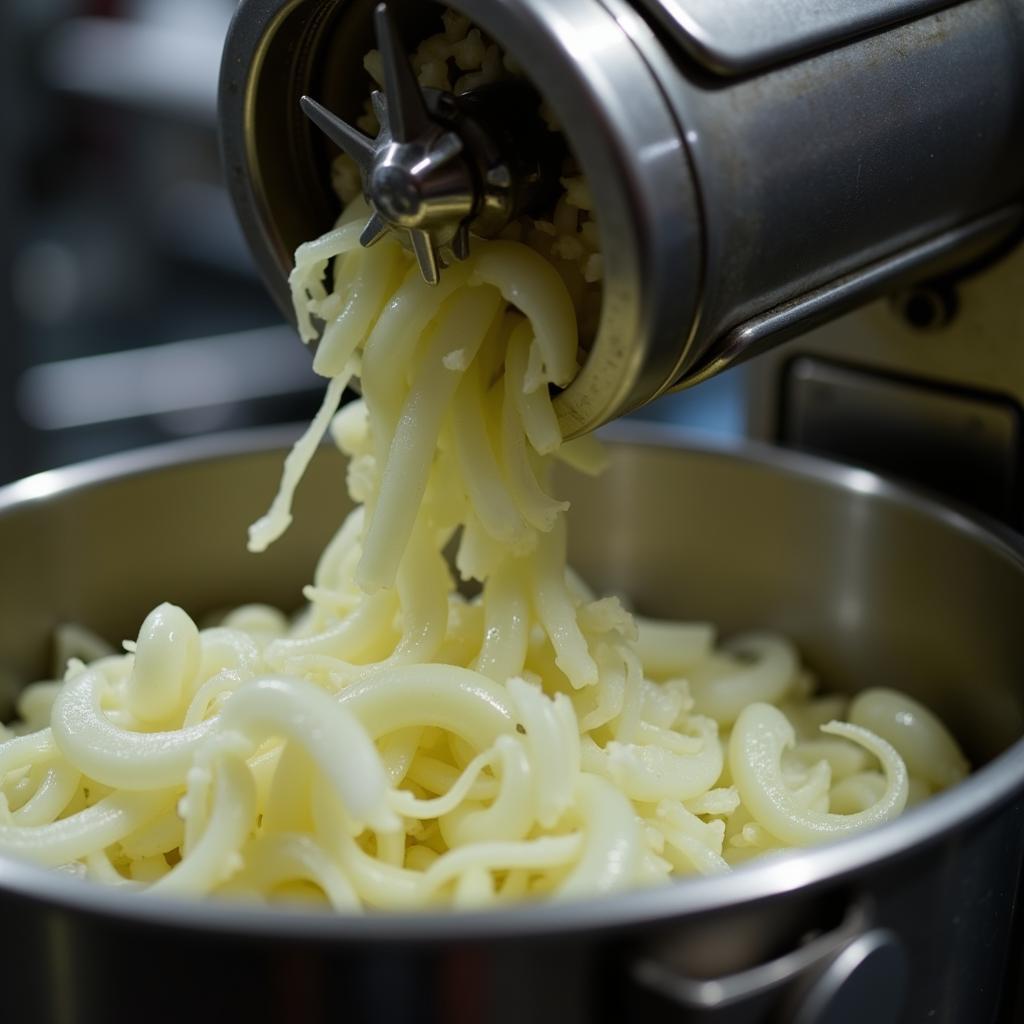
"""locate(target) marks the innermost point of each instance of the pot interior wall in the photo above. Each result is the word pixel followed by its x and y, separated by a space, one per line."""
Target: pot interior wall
pixel 875 590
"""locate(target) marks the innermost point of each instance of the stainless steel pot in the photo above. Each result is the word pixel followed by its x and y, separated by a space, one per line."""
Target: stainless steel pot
pixel 912 922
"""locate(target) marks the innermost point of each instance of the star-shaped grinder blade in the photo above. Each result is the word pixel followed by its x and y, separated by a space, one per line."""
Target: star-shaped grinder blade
pixel 414 172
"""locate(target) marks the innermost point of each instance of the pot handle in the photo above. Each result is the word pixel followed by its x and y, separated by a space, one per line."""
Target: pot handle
pixel 853 973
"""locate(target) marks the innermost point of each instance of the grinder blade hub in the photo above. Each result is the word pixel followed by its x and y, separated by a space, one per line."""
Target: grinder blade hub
pixel 437 167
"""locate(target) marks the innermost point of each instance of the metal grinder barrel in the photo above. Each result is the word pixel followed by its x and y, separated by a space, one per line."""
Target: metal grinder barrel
pixel 757 167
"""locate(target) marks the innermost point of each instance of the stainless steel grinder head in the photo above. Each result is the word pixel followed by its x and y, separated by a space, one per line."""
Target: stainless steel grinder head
pixel 597 84
pixel 754 172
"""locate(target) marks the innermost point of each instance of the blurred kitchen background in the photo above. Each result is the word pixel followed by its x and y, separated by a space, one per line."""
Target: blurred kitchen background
pixel 131 312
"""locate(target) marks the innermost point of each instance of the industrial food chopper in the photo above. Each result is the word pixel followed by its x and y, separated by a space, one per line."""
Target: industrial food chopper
pixel 759 170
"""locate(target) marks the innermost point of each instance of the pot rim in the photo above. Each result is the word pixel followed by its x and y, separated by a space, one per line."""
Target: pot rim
pixel 982 794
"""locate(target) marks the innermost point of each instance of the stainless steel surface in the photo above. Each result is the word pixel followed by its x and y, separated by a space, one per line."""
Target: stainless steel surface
pixel 772 199
pixel 811 171
pixel 961 338
pixel 745 35
pixel 821 305
pixel 820 976
pixel 953 440
pixel 877 586
pixel 866 981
